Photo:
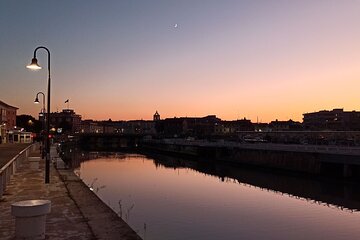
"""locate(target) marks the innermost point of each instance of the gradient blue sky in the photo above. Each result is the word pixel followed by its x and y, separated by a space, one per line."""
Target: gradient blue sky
pixel 124 59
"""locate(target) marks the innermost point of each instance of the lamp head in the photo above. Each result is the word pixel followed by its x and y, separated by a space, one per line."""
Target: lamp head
pixel 36 100
pixel 33 65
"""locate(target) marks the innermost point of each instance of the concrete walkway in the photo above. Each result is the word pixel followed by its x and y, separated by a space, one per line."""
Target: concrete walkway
pixel 68 219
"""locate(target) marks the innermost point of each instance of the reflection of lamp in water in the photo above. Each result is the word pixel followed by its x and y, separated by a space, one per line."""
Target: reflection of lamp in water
pixel 35 66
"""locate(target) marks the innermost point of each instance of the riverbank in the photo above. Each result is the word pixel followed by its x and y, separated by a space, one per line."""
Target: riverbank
pixel 102 220
pixel 76 213
pixel 315 160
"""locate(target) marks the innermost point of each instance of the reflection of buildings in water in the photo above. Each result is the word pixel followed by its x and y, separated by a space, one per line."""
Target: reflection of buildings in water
pixel 75 157
pixel 330 193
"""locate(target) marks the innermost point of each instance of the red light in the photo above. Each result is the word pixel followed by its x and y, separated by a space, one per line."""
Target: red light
pixel 50 136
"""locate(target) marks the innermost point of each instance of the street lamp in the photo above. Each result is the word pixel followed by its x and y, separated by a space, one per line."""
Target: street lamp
pixel 36 101
pixel 42 116
pixel 34 66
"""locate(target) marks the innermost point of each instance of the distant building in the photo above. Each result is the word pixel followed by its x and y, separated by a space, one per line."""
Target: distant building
pixel 289 125
pixel 139 127
pixel 90 126
pixel 233 127
pixel 336 120
pixel 118 127
pixel 109 126
pixel 66 121
pixel 205 126
pixel 18 136
pixel 7 120
pixel 187 126
pixel 261 127
pixel 156 116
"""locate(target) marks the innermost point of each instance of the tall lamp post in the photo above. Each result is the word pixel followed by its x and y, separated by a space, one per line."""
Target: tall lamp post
pixel 34 66
pixel 42 114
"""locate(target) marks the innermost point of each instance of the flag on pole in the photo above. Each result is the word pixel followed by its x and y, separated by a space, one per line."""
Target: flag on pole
pixel 67 101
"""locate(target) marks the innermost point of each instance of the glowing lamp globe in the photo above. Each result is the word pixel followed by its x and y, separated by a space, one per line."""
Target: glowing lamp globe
pixel 34 65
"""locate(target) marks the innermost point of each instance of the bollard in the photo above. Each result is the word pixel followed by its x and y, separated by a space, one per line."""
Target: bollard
pixel 34 163
pixel 30 218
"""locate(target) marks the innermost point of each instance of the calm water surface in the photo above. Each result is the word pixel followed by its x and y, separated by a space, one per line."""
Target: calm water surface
pixel 167 198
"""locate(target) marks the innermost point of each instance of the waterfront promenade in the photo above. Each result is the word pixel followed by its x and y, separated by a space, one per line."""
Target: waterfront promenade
pixel 76 213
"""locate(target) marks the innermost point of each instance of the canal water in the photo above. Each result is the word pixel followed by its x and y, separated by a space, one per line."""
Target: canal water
pixel 170 198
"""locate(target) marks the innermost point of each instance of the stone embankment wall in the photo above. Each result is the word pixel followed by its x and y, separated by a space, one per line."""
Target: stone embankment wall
pixel 339 165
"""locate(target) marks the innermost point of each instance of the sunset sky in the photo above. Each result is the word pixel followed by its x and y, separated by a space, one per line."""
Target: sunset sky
pixel 126 59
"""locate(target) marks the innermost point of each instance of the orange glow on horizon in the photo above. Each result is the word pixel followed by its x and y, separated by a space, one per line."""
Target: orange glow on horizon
pixel 273 61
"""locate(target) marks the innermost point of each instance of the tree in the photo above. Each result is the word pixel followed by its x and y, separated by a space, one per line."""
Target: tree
pixel 29 123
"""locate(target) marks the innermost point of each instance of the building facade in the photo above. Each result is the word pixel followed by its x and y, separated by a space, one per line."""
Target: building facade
pixel 187 126
pixel 90 126
pixel 289 125
pixel 7 120
pixel 336 120
pixel 233 127
pixel 66 121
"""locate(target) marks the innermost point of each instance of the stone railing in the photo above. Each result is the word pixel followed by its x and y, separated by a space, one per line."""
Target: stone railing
pixel 11 167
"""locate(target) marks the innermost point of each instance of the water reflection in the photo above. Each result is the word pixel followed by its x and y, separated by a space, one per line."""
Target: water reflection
pixel 327 192
pixel 171 198
pixel 324 191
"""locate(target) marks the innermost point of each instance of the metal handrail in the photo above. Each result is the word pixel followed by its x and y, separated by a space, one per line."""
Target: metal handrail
pixel 10 168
